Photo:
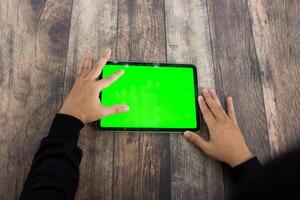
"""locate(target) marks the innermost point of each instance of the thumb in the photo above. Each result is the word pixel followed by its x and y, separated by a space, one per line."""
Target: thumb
pixel 196 139
pixel 110 110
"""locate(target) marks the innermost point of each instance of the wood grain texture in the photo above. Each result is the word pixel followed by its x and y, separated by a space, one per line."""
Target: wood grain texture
pixel 248 49
pixel 193 175
pixel 93 28
pixel 237 73
pixel 276 30
pixel 141 160
pixel 33 47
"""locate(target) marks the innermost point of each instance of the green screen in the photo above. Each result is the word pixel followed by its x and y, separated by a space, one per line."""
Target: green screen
pixel 158 97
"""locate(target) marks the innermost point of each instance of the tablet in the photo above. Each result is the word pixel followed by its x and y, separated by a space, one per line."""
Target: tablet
pixel 161 97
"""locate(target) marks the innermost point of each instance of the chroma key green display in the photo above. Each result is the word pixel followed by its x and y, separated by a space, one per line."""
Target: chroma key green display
pixel 160 97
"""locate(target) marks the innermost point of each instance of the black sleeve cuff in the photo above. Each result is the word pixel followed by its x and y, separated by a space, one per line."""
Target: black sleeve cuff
pixel 246 169
pixel 65 128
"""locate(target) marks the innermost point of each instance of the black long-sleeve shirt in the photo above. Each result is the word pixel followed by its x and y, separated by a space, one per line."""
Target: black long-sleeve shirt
pixel 54 173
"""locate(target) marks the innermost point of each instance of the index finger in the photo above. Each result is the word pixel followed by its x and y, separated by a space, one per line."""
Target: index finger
pixel 207 115
pixel 216 99
pixel 105 82
pixel 213 105
pixel 102 61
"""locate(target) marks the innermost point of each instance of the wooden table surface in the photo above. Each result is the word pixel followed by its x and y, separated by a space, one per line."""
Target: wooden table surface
pixel 247 49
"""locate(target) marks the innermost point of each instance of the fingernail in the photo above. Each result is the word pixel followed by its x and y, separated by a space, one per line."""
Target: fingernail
pixel 187 134
pixel 200 98
pixel 205 91
pixel 230 99
pixel 90 54
pixel 107 51
pixel 126 108
pixel 212 90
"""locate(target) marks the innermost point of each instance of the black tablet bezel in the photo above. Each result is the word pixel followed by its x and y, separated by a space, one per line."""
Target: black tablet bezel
pixel 198 112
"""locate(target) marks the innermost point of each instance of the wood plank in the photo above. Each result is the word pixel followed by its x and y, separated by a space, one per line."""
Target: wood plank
pixel 237 73
pixel 93 28
pixel 276 33
pixel 33 47
pixel 141 160
pixel 193 175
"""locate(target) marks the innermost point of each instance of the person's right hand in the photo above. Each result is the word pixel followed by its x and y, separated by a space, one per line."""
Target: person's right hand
pixel 226 141
pixel 83 100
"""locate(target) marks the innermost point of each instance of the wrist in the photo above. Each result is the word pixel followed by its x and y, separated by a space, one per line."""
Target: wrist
pixel 240 158
pixel 65 128
pixel 73 113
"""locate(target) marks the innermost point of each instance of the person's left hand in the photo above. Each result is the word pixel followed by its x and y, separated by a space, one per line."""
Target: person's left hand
pixel 226 142
pixel 83 100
